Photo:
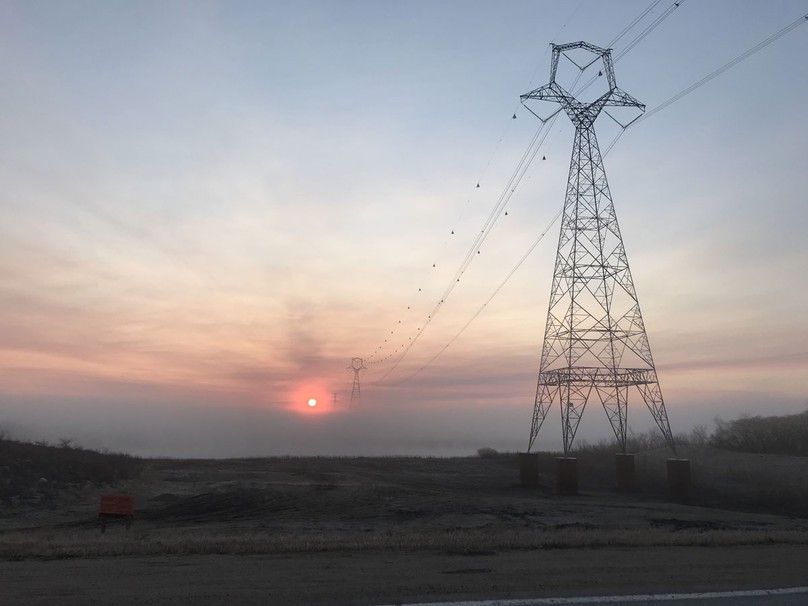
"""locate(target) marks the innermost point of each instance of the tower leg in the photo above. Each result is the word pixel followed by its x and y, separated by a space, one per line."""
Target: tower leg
pixel 545 394
pixel 615 402
pixel 574 396
pixel 652 395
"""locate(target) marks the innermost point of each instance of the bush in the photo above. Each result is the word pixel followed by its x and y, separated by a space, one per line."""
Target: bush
pixel 787 435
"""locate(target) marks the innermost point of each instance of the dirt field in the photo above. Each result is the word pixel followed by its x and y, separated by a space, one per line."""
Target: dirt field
pixel 364 531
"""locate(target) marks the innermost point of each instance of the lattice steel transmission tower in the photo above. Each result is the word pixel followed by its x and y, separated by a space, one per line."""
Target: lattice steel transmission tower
pixel 595 345
pixel 357 364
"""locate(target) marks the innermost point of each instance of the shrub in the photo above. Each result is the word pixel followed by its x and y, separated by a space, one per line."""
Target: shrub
pixel 787 435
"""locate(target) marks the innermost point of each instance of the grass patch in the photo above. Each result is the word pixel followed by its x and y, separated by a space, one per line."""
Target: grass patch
pixel 51 545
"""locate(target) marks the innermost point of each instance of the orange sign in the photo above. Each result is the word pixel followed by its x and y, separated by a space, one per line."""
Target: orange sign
pixel 117 505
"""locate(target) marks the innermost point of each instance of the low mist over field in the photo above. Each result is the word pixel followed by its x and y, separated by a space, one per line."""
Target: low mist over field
pixel 207 430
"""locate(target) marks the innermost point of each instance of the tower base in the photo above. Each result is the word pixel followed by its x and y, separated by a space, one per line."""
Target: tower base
pixel 566 475
pixel 679 478
pixel 529 469
pixel 624 465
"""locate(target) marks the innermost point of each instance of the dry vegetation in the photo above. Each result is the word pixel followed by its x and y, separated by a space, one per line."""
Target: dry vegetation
pixel 291 505
pixel 751 464
pixel 39 473
pixel 49 498
pixel 59 545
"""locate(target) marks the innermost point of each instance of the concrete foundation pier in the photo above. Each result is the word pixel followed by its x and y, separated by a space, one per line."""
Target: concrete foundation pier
pixel 624 465
pixel 679 478
pixel 529 469
pixel 566 475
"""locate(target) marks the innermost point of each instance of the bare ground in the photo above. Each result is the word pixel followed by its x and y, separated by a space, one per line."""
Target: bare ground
pixel 371 530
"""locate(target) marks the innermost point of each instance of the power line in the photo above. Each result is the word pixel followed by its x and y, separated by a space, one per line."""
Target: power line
pixel 638 38
pixel 524 163
pixel 491 298
pixel 517 105
pixel 651 27
pixel 513 182
pixel 631 25
pixel 712 75
pixel 494 214
pixel 480 178
pixel 793 25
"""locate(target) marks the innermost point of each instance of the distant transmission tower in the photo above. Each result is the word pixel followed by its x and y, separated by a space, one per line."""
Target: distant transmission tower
pixel 595 345
pixel 357 364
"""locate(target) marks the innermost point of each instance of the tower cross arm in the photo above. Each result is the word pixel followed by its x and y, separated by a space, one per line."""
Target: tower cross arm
pixel 549 92
pixel 597 50
pixel 620 98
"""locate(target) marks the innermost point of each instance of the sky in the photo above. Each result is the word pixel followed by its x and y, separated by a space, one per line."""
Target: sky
pixel 207 209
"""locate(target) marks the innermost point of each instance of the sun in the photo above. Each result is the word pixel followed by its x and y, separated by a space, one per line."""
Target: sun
pixel 309 398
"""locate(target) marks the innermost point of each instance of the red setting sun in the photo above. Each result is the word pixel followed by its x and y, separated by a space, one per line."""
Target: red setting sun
pixel 310 397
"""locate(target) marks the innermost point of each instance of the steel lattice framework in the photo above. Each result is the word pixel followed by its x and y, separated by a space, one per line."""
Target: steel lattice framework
pixel 357 365
pixel 595 344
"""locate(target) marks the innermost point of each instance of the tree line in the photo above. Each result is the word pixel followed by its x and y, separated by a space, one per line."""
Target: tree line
pixel 786 435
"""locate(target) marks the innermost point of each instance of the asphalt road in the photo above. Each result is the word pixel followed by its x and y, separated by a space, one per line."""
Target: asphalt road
pixel 523 578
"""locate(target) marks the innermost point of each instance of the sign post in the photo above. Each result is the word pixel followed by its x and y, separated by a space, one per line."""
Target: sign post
pixel 116 506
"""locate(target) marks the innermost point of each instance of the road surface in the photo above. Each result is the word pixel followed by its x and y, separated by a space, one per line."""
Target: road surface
pixel 394 577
